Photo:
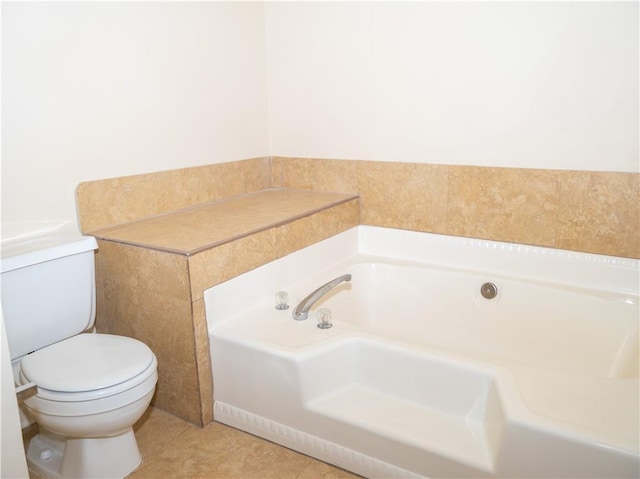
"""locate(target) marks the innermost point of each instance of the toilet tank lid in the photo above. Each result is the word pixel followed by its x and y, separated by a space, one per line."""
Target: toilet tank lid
pixel 28 252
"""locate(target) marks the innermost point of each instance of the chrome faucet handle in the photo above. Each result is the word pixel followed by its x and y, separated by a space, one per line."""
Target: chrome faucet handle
pixel 301 311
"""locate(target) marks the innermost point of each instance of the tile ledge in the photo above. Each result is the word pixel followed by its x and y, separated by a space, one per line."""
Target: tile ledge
pixel 121 233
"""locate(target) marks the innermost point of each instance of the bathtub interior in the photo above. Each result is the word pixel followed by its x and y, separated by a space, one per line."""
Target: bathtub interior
pixel 530 323
pixel 540 324
pixel 458 416
pixel 419 368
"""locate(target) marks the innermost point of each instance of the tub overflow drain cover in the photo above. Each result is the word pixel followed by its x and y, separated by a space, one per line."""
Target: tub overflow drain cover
pixel 489 290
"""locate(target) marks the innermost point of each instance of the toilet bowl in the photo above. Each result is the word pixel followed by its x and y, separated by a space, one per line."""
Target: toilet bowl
pixel 92 388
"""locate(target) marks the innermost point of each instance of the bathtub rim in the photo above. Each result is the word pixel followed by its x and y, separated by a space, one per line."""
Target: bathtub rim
pixel 611 276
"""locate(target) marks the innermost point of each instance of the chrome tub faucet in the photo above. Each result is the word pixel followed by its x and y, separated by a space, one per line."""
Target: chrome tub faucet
pixel 302 310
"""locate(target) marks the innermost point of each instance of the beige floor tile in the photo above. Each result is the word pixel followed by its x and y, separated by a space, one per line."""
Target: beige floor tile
pixel 157 428
pixel 221 452
pixel 175 449
pixel 321 470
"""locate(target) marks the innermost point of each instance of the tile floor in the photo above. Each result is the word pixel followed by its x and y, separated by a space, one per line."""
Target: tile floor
pixel 173 448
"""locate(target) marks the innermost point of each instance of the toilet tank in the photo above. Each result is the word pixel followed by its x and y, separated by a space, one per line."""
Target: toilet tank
pixel 48 290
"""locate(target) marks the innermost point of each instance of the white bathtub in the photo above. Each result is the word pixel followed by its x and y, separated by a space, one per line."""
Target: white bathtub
pixel 420 376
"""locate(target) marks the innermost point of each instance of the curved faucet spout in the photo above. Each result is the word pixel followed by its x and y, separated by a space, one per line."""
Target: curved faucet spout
pixel 302 310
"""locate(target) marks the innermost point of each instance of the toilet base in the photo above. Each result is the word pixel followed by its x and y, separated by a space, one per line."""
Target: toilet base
pixel 56 457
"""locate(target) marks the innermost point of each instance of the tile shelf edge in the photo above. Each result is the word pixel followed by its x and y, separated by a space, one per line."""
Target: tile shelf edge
pixel 162 232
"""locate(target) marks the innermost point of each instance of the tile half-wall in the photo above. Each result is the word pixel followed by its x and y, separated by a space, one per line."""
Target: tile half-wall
pixel 594 212
pixel 113 201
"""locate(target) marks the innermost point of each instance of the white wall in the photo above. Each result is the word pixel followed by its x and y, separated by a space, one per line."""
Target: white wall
pixel 516 84
pixel 103 89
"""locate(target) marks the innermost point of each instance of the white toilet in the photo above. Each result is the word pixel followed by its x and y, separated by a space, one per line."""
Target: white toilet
pixel 91 388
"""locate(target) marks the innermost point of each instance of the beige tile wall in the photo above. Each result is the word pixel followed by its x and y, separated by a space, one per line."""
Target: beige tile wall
pixel 104 203
pixel 203 363
pixel 599 212
pixel 595 212
pixel 145 294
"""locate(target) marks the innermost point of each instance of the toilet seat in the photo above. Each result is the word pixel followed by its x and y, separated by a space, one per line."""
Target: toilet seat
pixel 88 367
